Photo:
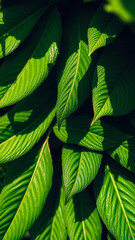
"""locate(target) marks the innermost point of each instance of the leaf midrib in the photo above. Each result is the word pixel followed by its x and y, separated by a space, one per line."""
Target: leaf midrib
pixel 29 126
pixel 25 67
pixel 77 67
pixel 86 133
pixel 101 35
pixel 29 185
pixel 120 201
pixel 22 22
pixel 83 224
pixel 78 172
pixel 115 87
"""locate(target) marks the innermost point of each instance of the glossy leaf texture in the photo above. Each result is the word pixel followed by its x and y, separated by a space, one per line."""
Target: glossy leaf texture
pixel 113 81
pixel 16 23
pixel 27 185
pixel 82 219
pixel 125 10
pixel 25 124
pixel 75 67
pixel 103 29
pixel 80 167
pixel 50 225
pixel 125 154
pixel 99 137
pixel 34 61
pixel 115 197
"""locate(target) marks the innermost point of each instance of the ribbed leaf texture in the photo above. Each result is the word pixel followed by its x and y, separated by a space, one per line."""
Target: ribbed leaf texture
pixel 50 225
pixel 75 78
pixel 113 81
pixel 80 167
pixel 115 198
pixel 26 123
pixel 103 29
pixel 26 188
pixel 81 217
pixel 99 137
pixel 125 154
pixel 16 22
pixel 34 61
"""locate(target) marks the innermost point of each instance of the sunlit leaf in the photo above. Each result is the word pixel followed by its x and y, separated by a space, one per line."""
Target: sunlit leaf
pixel 34 61
pixel 102 30
pixel 114 81
pixel 80 167
pixel 125 154
pixel 99 137
pixel 26 123
pixel 115 198
pixel 81 217
pixel 76 67
pixel 27 185
pixel 50 225
pixel 16 23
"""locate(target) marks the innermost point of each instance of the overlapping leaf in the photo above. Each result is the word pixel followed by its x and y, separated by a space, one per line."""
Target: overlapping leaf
pixel 80 167
pixel 50 225
pixel 115 197
pixel 113 81
pixel 25 70
pixel 16 22
pixel 81 217
pixel 75 78
pixel 27 185
pixel 125 154
pixel 103 29
pixel 26 123
pixel 99 137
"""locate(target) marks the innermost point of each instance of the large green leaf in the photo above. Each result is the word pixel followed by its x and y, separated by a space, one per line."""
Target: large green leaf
pixel 16 22
pixel 114 81
pixel 103 29
pixel 123 8
pixel 33 60
pixel 26 123
pixel 125 154
pixel 81 217
pixel 27 185
pixel 99 137
pixel 75 78
pixel 80 167
pixel 115 198
pixel 50 225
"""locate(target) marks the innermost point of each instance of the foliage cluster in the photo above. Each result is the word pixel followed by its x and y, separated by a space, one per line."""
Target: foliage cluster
pixel 67 120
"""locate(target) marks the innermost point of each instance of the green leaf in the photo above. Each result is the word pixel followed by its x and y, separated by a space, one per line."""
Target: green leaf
pixel 75 78
pixel 110 236
pixel 80 167
pixel 102 30
pixel 50 225
pixel 125 154
pixel 99 137
pixel 114 81
pixel 26 123
pixel 115 198
pixel 33 60
pixel 16 23
pixel 27 185
pixel 81 217
pixel 123 8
